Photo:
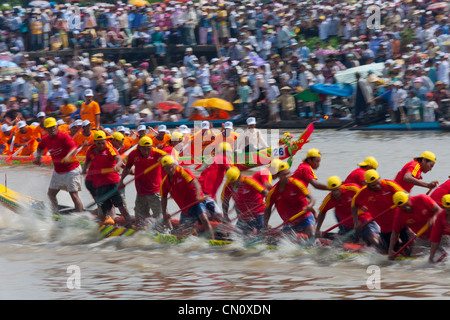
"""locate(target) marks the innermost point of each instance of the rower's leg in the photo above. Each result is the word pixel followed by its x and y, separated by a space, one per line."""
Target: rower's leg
pixel 76 201
pixel 52 193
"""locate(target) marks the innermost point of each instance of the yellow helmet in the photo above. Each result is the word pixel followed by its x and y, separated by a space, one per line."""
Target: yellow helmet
pixel 167 159
pixel 371 176
pixel 446 201
pixel 99 135
pixel 427 155
pixel 312 153
pixel 176 136
pixel 118 136
pixel 232 174
pixel 225 146
pixel 145 142
pixel 274 166
pixel 334 182
pixel 369 161
pixel 400 198
pixel 49 122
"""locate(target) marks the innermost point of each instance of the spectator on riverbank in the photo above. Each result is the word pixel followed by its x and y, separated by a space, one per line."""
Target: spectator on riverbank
pixel 290 44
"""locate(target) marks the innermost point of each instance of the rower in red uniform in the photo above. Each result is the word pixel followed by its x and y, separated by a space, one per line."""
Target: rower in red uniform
pixel 441 191
pixel 440 227
pixel 187 193
pixel 147 183
pixel 265 175
pixel 212 177
pixel 99 158
pixel 66 174
pixel 305 171
pixel 340 199
pixel 248 196
pixel 375 198
pixel 413 212
pixel 357 175
pixel 411 173
pixel 290 196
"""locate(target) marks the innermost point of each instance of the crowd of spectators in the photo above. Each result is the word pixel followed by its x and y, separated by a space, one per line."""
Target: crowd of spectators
pixel 267 52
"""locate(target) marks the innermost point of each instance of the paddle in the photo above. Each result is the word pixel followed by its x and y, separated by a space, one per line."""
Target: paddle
pixel 418 234
pixel 110 193
pixel 442 257
pixel 336 225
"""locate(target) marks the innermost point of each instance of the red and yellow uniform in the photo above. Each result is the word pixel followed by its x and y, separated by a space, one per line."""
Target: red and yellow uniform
pixel 416 171
pixel 212 177
pixel 304 173
pixel 90 112
pixel 378 201
pixel 263 176
pixel 247 196
pixel 290 201
pixel 150 182
pixel 101 161
pixel 441 191
pixel 342 207
pixel 180 187
pixel 422 210
pixel 440 227
pixel 357 177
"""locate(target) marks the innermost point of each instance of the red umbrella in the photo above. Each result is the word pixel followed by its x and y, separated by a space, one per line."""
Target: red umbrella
pixel 437 5
pixel 169 105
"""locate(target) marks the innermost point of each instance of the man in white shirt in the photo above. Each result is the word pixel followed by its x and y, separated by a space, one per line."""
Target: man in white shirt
pixel 252 139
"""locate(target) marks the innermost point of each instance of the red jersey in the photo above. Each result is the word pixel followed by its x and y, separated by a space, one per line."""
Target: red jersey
pixel 263 176
pixel 343 206
pixel 422 211
pixel 180 187
pixel 102 160
pixel 212 177
pixel 440 227
pixel 357 177
pixel 58 147
pixel 289 202
pixel 145 183
pixel 304 173
pixel 246 197
pixel 377 202
pixel 416 171
pixel 441 191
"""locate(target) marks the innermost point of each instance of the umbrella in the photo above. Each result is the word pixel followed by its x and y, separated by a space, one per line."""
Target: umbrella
pixel 40 4
pixel 8 68
pixel 307 95
pixel 257 61
pixel 200 103
pixel 437 5
pixel 5 57
pixel 139 3
pixel 325 52
pixel 169 105
pixel 214 103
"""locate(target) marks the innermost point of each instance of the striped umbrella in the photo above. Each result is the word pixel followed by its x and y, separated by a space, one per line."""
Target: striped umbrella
pixel 437 5
pixel 40 4
pixel 9 68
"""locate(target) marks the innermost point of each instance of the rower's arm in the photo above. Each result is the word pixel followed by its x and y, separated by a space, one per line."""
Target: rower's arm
pixel 267 214
pixel 318 185
pixel 433 249
pixel 164 208
pixel 393 241
pixel 408 177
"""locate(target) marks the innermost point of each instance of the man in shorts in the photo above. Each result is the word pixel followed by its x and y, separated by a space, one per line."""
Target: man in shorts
pixel 67 171
pixel 147 172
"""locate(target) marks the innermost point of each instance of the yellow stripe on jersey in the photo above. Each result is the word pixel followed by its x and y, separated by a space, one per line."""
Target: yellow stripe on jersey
pixel 324 202
pixel 416 170
pixel 299 185
pixel 255 185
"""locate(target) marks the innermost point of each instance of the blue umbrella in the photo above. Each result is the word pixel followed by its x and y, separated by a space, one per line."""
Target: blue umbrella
pixel 8 68
pixel 258 61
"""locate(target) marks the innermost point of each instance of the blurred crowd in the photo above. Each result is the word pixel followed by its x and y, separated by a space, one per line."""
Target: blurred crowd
pixel 267 53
